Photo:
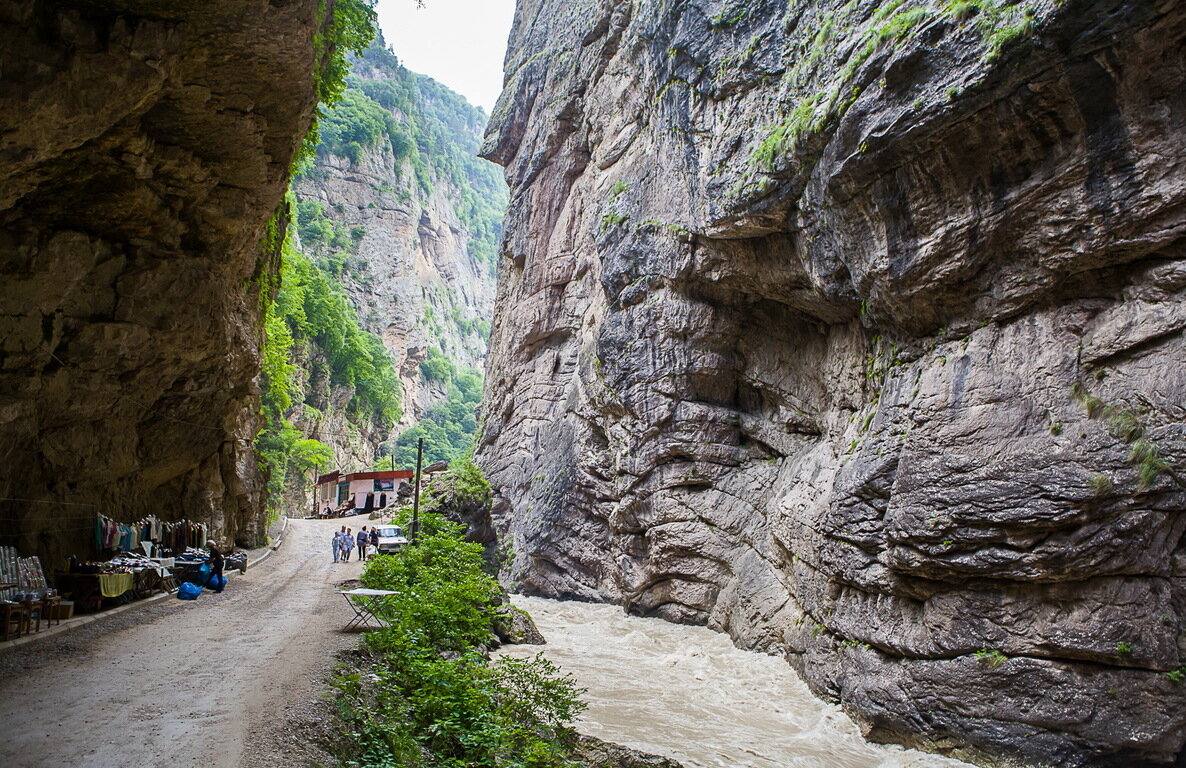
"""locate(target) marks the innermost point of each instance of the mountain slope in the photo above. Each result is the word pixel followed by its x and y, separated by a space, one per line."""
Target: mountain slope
pixel 397 223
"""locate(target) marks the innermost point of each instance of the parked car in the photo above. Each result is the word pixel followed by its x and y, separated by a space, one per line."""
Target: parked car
pixel 391 539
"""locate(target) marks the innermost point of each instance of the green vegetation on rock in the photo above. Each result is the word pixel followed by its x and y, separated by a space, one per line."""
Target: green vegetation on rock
pixel 1000 23
pixel 429 129
pixel 312 315
pixel 448 428
pixel 1125 425
pixel 347 29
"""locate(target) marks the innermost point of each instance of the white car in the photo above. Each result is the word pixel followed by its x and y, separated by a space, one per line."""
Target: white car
pixel 391 540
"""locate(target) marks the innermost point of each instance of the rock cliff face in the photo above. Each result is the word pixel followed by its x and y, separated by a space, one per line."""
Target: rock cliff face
pixel 398 215
pixel 143 148
pixel 412 274
pixel 855 330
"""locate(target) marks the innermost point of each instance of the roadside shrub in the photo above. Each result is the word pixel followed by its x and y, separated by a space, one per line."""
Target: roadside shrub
pixel 431 698
pixel 445 600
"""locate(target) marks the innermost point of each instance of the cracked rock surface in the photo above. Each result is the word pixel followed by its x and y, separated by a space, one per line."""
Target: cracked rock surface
pixel 143 147
pixel 855 331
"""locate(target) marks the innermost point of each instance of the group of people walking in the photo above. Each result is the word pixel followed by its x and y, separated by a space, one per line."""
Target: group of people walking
pixel 344 542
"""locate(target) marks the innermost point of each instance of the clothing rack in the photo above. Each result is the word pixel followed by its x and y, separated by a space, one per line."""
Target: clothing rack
pixel 126 537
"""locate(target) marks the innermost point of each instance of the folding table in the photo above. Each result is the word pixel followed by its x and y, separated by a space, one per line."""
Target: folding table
pixel 367 604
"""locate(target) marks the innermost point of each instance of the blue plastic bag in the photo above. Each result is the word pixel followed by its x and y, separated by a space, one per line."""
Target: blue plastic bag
pixel 188 591
pixel 217 583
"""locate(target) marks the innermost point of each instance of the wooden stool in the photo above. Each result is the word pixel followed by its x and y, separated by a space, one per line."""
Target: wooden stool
pixel 10 612
pixel 49 609
pixel 34 609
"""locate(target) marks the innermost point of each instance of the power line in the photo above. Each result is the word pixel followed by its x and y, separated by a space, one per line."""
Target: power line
pixel 46 501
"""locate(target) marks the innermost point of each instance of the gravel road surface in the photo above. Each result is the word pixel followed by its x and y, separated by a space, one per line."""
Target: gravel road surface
pixel 231 680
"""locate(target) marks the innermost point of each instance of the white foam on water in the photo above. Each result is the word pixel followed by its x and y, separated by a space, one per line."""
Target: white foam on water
pixel 688 693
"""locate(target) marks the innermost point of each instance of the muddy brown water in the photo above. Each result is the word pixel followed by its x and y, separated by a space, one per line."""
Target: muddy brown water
pixel 689 694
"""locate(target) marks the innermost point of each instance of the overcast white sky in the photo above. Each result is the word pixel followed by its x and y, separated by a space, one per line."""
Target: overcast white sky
pixel 458 42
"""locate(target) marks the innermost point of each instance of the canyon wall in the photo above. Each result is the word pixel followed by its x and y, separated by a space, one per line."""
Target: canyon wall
pixel 854 330
pixel 398 215
pixel 412 272
pixel 144 147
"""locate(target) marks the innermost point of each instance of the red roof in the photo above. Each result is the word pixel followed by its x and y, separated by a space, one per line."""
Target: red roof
pixel 338 477
pixel 398 474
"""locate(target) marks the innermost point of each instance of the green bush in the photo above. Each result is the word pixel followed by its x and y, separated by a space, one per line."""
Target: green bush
pixel 437 367
pixel 431 698
pixel 444 600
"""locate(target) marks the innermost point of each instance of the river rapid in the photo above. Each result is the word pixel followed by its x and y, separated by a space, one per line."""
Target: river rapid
pixel 689 694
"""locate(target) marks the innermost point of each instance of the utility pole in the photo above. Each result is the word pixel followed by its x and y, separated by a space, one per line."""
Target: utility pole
pixel 314 494
pixel 393 462
pixel 416 498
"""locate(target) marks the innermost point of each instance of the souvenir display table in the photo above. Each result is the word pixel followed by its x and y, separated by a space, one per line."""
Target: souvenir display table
pixel 89 589
pixel 25 597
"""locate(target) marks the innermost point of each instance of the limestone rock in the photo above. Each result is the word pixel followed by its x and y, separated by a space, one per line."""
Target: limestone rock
pixel 855 331
pixel 143 148
pixel 592 752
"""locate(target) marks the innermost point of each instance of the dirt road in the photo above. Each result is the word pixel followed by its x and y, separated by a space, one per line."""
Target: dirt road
pixel 216 682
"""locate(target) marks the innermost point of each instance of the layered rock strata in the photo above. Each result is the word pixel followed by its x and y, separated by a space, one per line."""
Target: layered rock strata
pixel 143 148
pixel 855 331
pixel 412 272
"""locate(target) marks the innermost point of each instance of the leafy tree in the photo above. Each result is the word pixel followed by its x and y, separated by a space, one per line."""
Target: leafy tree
pixel 437 367
pixel 448 428
pixel 356 120
pixel 311 310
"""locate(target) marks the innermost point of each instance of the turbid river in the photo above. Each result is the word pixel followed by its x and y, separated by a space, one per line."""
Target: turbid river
pixel 687 693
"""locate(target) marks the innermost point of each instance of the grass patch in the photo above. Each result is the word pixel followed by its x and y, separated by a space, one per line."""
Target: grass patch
pixel 613 219
pixel 1125 425
pixel 1101 484
pixel 990 657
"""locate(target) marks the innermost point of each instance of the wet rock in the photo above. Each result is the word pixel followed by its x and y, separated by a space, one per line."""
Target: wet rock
pixel 518 628
pixel 592 752
pixel 839 330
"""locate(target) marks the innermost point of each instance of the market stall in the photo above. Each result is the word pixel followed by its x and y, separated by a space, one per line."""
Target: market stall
pixel 145 557
pixel 25 597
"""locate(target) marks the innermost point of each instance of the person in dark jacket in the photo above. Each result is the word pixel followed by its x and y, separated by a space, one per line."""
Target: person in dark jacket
pixel 217 561
pixel 364 540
